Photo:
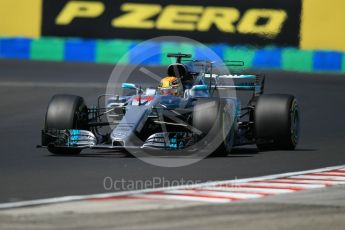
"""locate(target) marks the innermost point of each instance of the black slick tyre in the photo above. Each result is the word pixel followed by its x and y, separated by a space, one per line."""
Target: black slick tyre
pixel 66 112
pixel 276 118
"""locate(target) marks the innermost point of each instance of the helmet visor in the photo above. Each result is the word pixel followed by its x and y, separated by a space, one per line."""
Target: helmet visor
pixel 167 91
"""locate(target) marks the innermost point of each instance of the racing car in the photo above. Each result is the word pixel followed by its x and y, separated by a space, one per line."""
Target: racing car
pixel 203 118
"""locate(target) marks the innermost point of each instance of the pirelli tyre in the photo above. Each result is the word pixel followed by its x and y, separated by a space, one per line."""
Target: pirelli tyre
pixel 66 112
pixel 277 119
pixel 214 118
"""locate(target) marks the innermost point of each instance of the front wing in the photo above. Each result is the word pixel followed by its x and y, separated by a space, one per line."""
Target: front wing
pixel 83 139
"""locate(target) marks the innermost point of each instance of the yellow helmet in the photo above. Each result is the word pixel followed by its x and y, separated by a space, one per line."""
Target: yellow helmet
pixel 171 86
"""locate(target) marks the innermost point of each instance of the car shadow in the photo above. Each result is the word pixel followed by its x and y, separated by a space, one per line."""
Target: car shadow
pixel 305 150
pixel 106 154
pixel 237 152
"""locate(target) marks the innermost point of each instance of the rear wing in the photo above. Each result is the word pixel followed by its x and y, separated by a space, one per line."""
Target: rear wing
pixel 249 82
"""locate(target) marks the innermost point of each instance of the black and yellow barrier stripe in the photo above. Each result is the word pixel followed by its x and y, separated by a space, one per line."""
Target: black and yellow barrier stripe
pixel 321 23
pixel 306 34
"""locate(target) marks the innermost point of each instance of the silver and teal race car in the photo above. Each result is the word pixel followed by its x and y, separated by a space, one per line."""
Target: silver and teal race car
pixel 211 116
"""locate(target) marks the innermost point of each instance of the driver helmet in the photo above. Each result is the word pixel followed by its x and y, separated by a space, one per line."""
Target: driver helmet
pixel 171 86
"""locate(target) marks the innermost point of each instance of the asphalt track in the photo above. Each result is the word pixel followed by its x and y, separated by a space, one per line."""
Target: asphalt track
pixel 30 173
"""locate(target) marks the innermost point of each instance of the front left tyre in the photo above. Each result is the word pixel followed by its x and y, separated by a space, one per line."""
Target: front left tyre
pixel 66 112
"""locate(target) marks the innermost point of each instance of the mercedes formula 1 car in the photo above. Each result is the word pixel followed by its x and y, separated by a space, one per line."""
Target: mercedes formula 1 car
pixel 205 118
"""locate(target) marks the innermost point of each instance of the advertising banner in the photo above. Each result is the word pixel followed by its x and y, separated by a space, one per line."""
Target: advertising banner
pixel 255 22
pixel 322 25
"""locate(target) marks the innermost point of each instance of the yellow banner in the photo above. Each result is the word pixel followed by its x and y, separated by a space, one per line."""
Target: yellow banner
pixel 321 22
pixel 20 18
pixel 323 25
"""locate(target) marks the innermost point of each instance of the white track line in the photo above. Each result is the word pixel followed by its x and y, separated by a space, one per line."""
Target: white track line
pixel 268 191
pixel 332 173
pixel 319 177
pixel 192 196
pixel 182 197
pixel 283 185
pixel 230 195
pixel 291 180
pixel 128 193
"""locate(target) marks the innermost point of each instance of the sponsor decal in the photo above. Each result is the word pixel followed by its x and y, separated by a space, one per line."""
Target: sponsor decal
pixel 240 22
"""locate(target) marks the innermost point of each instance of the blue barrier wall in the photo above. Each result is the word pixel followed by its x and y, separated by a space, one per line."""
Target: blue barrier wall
pixel 114 51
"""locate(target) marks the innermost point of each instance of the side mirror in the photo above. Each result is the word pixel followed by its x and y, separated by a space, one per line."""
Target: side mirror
pixel 199 87
pixel 129 86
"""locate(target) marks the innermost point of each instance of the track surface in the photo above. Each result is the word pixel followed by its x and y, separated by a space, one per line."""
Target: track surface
pixel 30 173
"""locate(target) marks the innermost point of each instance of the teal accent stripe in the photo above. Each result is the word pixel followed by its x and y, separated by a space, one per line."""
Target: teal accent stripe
pixel 50 49
pixel 112 51
pixel 297 60
pixel 119 51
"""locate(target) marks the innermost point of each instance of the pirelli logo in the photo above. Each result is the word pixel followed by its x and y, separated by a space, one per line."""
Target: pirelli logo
pixel 237 21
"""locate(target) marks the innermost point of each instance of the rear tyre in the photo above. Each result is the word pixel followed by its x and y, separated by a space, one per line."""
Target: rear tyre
pixel 66 112
pixel 213 117
pixel 276 122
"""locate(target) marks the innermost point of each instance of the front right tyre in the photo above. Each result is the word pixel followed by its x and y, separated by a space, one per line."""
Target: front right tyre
pixel 277 121
pixel 214 117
